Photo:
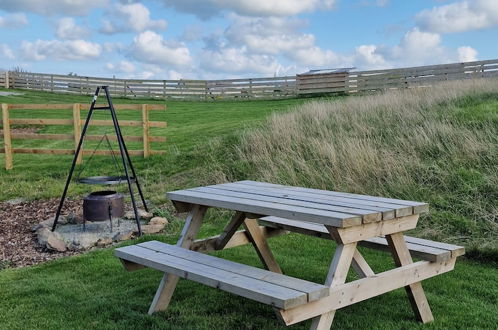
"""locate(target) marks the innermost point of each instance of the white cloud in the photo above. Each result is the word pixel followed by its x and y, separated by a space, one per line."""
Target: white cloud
pixel 367 56
pixel 66 28
pixel 467 54
pixel 415 48
pixel 13 21
pixel 238 60
pixel 121 67
pixel 459 16
pixel 52 7
pixel 6 52
pixel 150 47
pixel 269 35
pixel 208 8
pixel 59 50
pixel 130 17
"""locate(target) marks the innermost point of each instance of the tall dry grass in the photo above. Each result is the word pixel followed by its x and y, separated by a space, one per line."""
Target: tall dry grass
pixel 422 144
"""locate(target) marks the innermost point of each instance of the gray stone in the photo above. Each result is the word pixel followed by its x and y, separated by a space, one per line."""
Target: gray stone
pixel 104 241
pixel 56 244
pixel 16 201
pixel 123 236
pixel 51 240
pixel 86 241
pixel 152 229
pixel 158 221
pixel 130 215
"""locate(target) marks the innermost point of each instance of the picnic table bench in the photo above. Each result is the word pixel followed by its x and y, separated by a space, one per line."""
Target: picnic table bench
pixel 266 210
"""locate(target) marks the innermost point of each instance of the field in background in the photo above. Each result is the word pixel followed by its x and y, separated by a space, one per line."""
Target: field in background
pixel 189 124
pixel 438 145
pixel 440 149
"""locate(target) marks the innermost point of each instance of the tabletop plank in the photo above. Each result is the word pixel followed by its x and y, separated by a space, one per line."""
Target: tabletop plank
pixel 389 211
pixel 335 219
pixel 418 207
pixel 367 215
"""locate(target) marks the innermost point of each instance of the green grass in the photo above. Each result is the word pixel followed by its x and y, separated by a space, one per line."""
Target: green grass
pixel 93 290
pixel 189 124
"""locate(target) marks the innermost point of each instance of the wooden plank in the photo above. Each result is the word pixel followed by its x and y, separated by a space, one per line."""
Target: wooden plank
pixel 130 123
pixel 415 292
pixel 348 235
pixel 239 238
pixel 244 286
pixel 168 283
pixel 71 151
pixel 419 251
pixel 70 137
pixel 418 206
pixel 77 130
pixel 360 265
pixel 7 142
pixel 366 288
pixel 237 219
pixel 367 216
pixel 386 212
pixel 45 106
pixel 145 130
pixel 314 290
pixel 455 250
pixel 336 276
pixel 266 208
pixel 36 136
pixel 19 121
pixel 138 107
pixel 260 244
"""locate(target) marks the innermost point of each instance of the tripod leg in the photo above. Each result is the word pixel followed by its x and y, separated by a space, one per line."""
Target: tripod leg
pixel 122 152
pixel 76 153
pixel 131 165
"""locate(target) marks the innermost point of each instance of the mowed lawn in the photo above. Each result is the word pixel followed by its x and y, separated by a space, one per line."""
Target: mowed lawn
pixel 94 291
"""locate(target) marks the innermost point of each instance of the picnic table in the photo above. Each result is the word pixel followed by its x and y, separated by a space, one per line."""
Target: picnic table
pixel 266 210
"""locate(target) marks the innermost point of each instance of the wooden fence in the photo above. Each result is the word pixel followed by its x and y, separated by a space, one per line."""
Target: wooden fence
pixel 77 123
pixel 270 87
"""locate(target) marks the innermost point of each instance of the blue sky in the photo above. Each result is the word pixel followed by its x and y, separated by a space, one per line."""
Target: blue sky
pixel 210 39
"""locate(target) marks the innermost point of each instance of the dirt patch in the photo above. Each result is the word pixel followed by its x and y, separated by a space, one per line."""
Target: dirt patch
pixel 18 244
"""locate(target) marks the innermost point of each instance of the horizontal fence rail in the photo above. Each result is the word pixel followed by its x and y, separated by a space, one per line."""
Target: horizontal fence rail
pixel 246 88
pixel 77 123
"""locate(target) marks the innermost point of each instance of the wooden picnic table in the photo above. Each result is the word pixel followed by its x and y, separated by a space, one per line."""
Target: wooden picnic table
pixel 266 210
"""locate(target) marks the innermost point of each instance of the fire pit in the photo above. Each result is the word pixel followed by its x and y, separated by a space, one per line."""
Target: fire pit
pixel 103 205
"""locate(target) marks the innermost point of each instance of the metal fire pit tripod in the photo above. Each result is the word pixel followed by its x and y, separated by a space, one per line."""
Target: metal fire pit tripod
pixel 125 157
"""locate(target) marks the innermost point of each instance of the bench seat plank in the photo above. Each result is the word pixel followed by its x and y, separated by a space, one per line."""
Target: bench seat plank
pixel 313 290
pixel 420 248
pixel 174 260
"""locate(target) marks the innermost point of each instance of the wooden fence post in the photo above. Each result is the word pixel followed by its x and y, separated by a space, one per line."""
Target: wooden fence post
pixel 77 130
pixel 7 82
pixel 7 142
pixel 145 126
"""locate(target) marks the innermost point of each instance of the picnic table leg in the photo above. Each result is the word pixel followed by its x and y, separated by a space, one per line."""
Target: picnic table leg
pixel 260 243
pixel 360 265
pixel 415 292
pixel 338 272
pixel 168 283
